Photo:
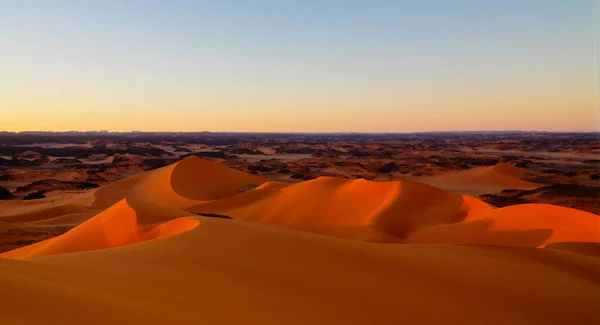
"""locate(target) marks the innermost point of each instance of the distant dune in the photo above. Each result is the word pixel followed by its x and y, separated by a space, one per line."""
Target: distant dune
pixel 481 180
pixel 323 251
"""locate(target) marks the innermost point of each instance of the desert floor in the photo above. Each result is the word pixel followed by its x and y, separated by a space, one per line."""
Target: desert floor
pixel 478 230
pixel 198 242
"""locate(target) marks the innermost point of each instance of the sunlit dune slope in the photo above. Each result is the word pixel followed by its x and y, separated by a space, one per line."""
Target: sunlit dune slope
pixel 233 272
pixel 529 225
pixel 389 208
pixel 396 211
pixel 481 180
pixel 126 222
pixel 187 182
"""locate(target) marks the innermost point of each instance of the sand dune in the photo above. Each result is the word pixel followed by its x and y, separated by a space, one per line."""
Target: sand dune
pixel 526 225
pixel 388 208
pixel 187 182
pixel 61 204
pixel 46 212
pixel 141 255
pixel 127 222
pixel 70 219
pixel 355 209
pixel 481 180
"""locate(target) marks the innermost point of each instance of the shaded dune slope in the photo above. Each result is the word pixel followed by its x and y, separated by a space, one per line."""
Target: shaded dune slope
pixel 528 225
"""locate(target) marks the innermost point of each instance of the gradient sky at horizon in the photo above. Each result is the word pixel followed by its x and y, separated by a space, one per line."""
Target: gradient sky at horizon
pixel 298 66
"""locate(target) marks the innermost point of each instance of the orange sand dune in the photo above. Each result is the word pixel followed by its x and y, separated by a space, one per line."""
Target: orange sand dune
pixel 392 211
pixel 481 180
pixel 124 223
pixel 12 209
pixel 179 185
pixel 530 225
pixel 232 272
pixel 355 209
pixel 340 206
pixel 46 212
pixel 567 224
pixel 70 219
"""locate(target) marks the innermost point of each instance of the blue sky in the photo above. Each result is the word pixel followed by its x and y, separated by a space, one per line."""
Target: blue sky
pixel 297 65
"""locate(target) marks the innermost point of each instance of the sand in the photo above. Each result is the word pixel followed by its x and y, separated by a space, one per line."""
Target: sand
pixel 182 184
pixel 325 251
pixel 482 180
pixel 391 209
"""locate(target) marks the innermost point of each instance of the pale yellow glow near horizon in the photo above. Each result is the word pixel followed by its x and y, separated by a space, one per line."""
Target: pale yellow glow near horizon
pixel 565 109
pixel 425 115
pixel 563 103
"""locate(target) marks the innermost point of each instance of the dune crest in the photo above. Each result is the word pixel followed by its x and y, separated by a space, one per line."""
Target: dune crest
pixel 389 208
pixel 400 211
pixel 185 183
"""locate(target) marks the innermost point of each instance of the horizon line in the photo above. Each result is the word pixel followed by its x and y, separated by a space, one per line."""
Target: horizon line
pixel 297 132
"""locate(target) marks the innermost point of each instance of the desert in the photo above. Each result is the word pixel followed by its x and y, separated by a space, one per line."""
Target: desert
pixel 299 162
pixel 196 226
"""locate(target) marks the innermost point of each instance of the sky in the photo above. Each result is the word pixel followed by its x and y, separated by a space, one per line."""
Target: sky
pixel 299 66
